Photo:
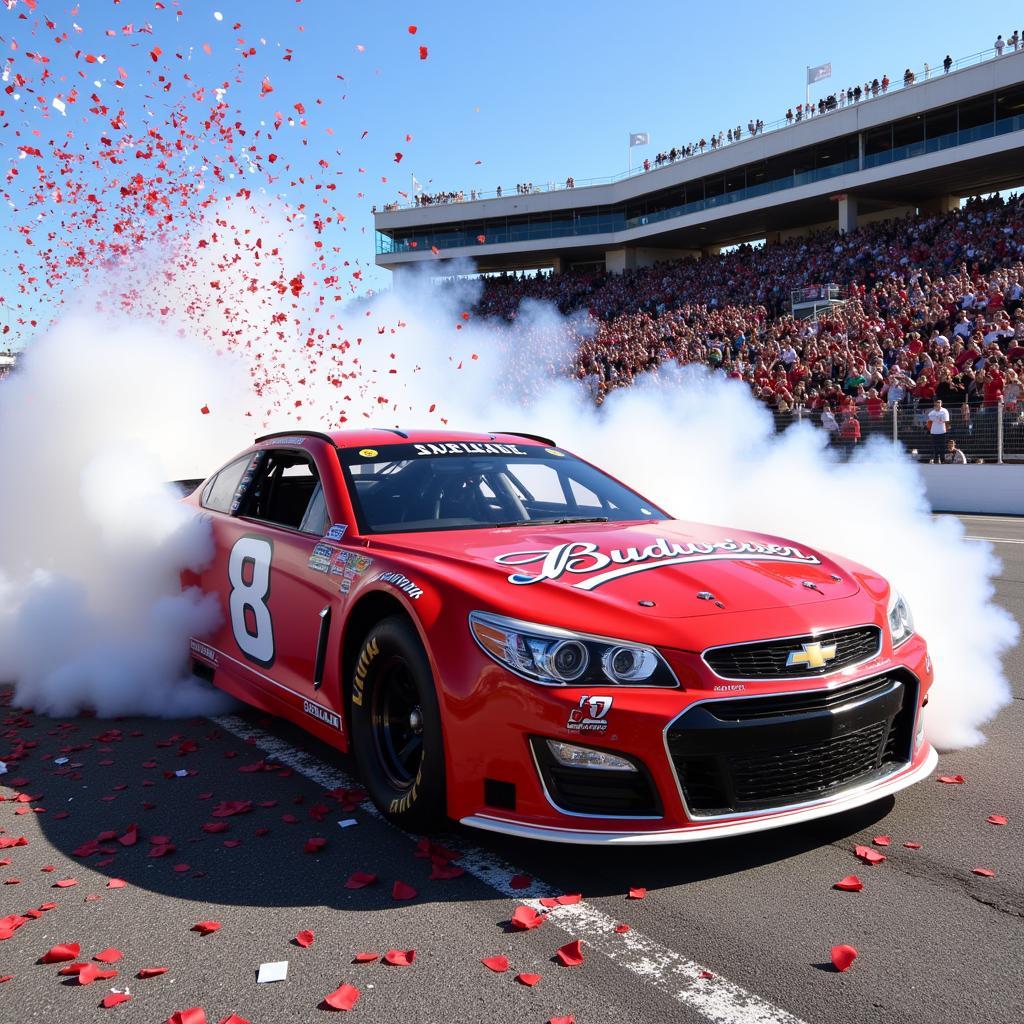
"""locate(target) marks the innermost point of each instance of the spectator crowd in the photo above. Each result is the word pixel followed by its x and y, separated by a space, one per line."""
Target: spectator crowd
pixel 933 308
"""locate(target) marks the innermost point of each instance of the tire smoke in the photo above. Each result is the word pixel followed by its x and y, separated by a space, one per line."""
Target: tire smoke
pixel 91 612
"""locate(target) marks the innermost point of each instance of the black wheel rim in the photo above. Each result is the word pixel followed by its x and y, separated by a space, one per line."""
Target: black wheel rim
pixel 397 722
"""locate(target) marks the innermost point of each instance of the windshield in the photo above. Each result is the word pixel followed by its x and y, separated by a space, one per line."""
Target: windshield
pixel 403 488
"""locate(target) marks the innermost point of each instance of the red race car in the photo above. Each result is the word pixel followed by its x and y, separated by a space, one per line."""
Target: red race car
pixel 503 634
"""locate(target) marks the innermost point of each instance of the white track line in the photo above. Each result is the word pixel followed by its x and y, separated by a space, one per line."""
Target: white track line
pixel 998 540
pixel 676 976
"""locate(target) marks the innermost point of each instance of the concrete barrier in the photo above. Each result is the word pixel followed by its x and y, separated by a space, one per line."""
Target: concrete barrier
pixel 993 489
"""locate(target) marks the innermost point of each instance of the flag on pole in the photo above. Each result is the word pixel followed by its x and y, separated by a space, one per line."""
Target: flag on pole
pixel 638 139
pixel 818 73
pixel 416 186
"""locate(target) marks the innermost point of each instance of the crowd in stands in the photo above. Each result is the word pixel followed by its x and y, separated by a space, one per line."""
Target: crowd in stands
pixel 933 308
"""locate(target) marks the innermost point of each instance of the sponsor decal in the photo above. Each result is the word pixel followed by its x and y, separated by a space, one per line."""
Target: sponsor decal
pixel 403 804
pixel 468 448
pixel 283 440
pixel 247 477
pixel 403 583
pixel 554 451
pixel 361 563
pixel 322 714
pixel 320 559
pixel 585 557
pixel 590 715
pixel 336 531
pixel 729 687
pixel 366 656
pixel 341 562
pixel 368 453
pixel 204 651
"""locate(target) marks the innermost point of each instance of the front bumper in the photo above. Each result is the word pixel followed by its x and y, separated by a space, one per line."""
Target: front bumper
pixel 696 831
pixel 803 760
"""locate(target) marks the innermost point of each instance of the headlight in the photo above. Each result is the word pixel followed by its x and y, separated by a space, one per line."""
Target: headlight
pixel 556 657
pixel 901 622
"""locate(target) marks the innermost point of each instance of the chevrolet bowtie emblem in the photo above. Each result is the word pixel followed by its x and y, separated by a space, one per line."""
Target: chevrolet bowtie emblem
pixel 814 655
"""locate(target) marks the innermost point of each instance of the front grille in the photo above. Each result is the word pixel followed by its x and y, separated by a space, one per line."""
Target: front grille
pixel 767 659
pixel 597 792
pixel 766 752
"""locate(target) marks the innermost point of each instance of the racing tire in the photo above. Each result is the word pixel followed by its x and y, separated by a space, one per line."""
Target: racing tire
pixel 397 740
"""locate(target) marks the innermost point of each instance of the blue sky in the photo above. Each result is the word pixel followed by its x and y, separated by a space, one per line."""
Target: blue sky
pixel 533 91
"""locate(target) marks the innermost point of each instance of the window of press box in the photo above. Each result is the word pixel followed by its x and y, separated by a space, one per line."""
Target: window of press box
pixel 287 492
pixel 220 491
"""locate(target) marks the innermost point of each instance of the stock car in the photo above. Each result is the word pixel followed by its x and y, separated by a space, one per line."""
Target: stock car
pixel 504 635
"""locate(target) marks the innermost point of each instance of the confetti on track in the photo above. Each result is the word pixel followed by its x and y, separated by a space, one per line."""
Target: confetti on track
pixel 671 973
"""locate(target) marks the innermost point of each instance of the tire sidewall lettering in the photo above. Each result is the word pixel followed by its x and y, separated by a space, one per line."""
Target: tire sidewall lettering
pixel 259 552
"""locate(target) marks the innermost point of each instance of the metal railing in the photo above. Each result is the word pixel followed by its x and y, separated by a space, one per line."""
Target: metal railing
pixel 988 433
pixel 895 85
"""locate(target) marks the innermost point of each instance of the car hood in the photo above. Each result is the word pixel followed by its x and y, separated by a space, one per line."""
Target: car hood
pixel 671 563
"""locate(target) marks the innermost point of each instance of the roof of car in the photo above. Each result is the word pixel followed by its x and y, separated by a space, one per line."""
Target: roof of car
pixel 377 436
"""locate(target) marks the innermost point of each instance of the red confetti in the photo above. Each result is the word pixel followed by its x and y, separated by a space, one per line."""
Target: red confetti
pixel 529 980
pixel 344 998
pixel 571 954
pixel 315 844
pixel 882 840
pixel 423 53
pixel 90 973
pixel 360 880
pixel 562 1020
pixel 912 846
pixel 526 918
pixel 997 819
pixel 65 883
pixel 151 972
pixel 365 958
pixel 412 30
pixel 868 855
pixel 196 1015
pixel 498 964
pixel 206 927
pixel 637 892
pixel 842 957
pixel 205 410
pixel 61 953
pixel 109 956
pixel 519 881
pixel 952 780
pixel 401 891
pixel 114 999
pixel 851 883
pixel 984 872
pixel 400 957
pixel 304 939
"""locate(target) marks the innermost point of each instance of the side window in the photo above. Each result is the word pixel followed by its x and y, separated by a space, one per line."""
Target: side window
pixel 220 491
pixel 288 493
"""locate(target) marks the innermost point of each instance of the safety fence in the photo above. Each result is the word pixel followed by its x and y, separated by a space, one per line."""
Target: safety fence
pixel 983 433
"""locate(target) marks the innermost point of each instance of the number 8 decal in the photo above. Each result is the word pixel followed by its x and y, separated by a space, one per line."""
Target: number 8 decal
pixel 254 632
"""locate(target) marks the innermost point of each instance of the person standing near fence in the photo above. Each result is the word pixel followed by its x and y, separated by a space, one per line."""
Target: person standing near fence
pixel 938 427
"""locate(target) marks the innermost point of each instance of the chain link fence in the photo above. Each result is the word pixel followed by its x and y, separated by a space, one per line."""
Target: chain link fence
pixel 982 433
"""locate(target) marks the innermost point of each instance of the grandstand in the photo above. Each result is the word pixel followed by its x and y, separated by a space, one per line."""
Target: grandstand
pixel 919 148
pixel 877 290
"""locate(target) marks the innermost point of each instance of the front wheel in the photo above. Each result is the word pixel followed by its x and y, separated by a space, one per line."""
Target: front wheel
pixel 396 727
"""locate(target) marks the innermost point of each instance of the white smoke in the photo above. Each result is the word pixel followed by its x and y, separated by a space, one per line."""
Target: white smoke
pixel 91 537
pixel 92 546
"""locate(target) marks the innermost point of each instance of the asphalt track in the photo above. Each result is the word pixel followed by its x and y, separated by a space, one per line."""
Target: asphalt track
pixel 732 931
